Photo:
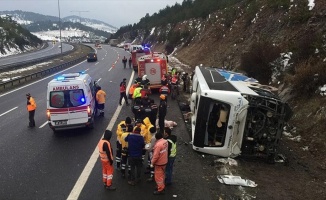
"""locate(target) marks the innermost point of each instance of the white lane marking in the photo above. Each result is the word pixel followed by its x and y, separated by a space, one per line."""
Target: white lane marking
pixel 86 69
pixel 8 111
pixel 45 123
pixel 96 63
pixel 39 80
pixel 110 68
pixel 79 185
pixel 102 58
pixel 99 80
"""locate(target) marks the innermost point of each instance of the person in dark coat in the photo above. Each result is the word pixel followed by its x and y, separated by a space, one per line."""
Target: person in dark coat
pixel 154 110
pixel 123 89
pixel 162 109
pixel 136 145
pixel 124 61
pixel 129 62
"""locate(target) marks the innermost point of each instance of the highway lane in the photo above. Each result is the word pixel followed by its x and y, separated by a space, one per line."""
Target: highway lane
pixel 52 49
pixel 35 163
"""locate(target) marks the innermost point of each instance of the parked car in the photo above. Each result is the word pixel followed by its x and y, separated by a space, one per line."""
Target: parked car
pixel 92 56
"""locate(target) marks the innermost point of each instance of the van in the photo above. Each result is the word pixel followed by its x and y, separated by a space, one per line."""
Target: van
pixel 231 116
pixel 135 47
pixel 71 101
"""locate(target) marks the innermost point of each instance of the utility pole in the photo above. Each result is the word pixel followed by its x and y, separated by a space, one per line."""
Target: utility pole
pixel 60 26
pixel 79 11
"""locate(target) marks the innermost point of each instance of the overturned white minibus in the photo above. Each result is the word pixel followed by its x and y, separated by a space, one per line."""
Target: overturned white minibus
pixel 233 116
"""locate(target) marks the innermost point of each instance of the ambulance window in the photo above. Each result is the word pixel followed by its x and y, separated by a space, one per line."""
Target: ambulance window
pixel 77 97
pixel 57 99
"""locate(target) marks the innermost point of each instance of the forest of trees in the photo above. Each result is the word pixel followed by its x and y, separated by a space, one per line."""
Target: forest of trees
pixel 179 12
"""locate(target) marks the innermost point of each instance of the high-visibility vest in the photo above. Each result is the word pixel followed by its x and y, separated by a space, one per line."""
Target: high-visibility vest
pixel 173 148
pixel 32 105
pixel 100 96
pixel 103 155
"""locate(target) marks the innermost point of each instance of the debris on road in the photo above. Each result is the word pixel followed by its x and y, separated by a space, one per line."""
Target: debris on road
pixel 235 180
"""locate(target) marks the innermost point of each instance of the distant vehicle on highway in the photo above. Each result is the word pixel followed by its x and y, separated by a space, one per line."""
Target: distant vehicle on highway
pixel 99 46
pixel 92 56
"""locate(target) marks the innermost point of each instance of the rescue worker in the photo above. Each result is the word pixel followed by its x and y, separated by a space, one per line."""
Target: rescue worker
pixel 124 152
pixel 124 61
pixel 154 110
pixel 31 107
pixel 106 155
pixel 123 89
pixel 145 81
pixel 185 79
pixel 129 62
pixel 138 79
pixel 100 98
pixel 143 132
pixel 162 109
pixel 174 86
pixel 146 111
pixel 145 91
pixel 159 161
pixel 164 80
pixel 172 152
pixel 136 145
pixel 149 148
pixel 131 92
pixel 122 128
pixel 137 95
pixel 164 90
pixel 136 109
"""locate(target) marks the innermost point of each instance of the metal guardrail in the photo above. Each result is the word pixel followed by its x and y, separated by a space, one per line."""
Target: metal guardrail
pixel 43 73
pixel 34 61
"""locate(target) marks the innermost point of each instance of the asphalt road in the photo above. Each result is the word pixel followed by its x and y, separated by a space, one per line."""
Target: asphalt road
pixel 52 49
pixel 36 164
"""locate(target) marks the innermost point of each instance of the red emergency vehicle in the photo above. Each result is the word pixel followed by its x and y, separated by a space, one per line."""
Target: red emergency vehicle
pixel 154 66
pixel 135 54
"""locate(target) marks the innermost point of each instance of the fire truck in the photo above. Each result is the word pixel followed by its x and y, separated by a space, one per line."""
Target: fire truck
pixel 135 54
pixel 154 66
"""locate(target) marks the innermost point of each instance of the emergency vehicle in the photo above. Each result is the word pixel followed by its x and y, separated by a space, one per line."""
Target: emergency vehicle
pixel 71 101
pixel 135 54
pixel 231 116
pixel 154 66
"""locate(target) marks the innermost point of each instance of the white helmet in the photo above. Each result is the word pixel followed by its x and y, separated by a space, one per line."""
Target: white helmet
pixel 144 77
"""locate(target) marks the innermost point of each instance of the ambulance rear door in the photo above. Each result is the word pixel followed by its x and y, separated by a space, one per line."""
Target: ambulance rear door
pixel 67 105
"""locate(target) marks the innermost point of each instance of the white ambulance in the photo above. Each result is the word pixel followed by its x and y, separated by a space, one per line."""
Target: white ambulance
pixel 71 101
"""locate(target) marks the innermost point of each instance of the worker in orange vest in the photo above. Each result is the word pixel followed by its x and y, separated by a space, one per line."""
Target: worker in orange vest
pixel 31 106
pixel 106 155
pixel 100 98
pixel 131 92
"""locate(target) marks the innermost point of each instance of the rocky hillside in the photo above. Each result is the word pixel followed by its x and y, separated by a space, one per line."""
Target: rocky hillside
pixel 279 42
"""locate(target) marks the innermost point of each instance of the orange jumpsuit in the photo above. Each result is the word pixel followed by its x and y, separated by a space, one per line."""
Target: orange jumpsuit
pixel 159 160
pixel 107 166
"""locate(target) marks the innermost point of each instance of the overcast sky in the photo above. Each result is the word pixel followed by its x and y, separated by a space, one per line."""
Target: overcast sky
pixel 114 12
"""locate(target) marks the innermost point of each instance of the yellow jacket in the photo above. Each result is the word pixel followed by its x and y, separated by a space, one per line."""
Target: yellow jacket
pixel 122 128
pixel 32 105
pixel 100 97
pixel 147 134
pixel 137 93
